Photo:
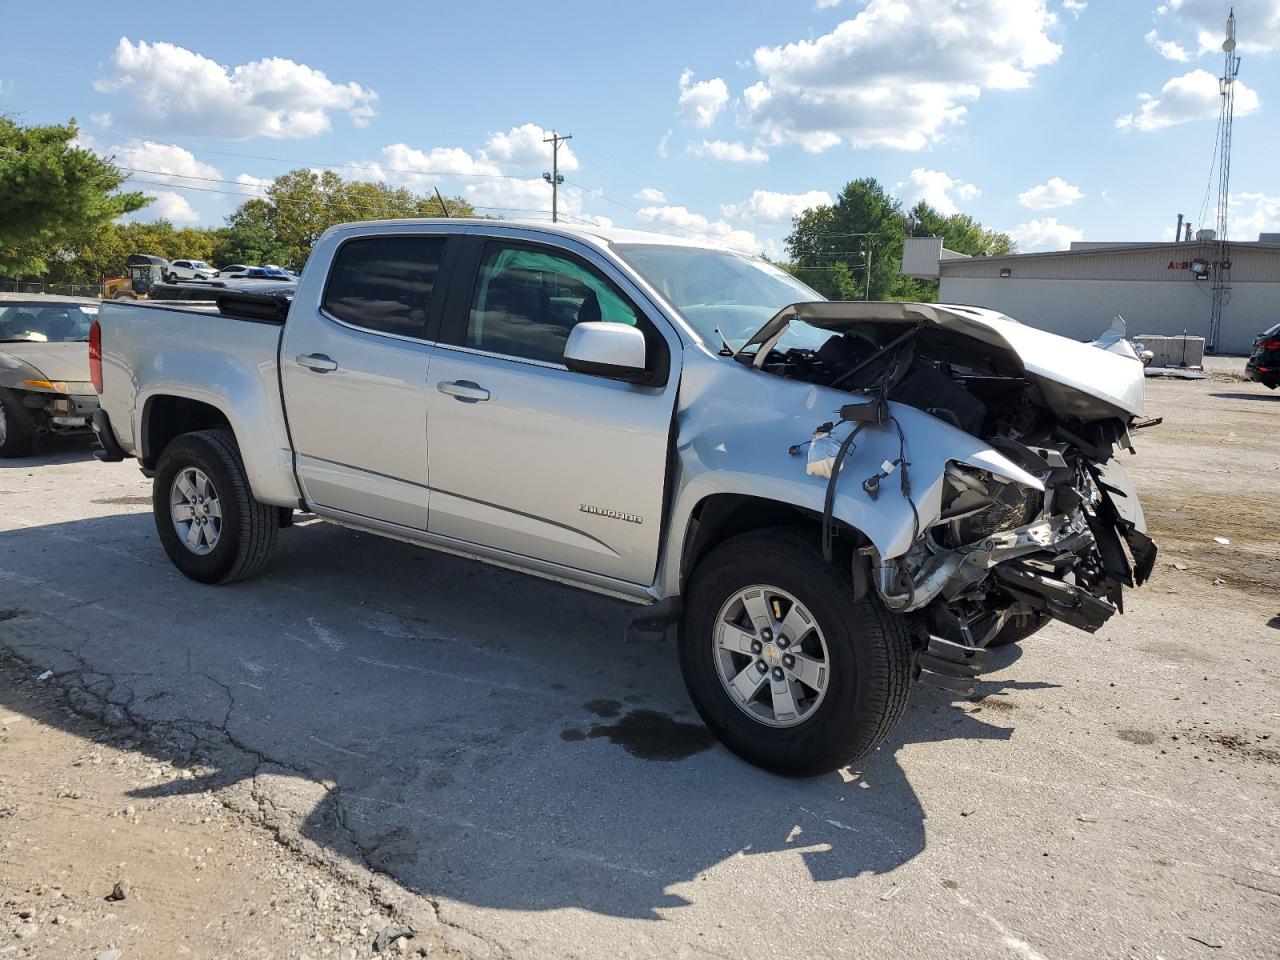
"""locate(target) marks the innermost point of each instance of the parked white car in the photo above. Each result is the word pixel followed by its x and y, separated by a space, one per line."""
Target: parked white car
pixel 190 270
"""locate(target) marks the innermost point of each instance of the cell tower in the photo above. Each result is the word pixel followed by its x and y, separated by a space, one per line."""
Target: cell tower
pixel 1222 262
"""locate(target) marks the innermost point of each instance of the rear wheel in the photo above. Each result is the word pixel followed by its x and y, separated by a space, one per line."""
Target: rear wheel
pixel 781 661
pixel 17 433
pixel 210 524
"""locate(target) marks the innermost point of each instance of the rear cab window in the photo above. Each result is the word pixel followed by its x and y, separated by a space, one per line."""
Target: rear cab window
pixel 385 284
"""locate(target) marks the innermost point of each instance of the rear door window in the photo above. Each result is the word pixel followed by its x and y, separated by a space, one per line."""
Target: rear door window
pixel 385 284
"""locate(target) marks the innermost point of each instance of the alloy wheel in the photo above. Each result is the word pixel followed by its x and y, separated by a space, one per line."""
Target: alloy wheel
pixel 771 656
pixel 195 510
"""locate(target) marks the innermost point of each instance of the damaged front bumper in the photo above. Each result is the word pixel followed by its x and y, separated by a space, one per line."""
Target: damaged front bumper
pixel 1070 566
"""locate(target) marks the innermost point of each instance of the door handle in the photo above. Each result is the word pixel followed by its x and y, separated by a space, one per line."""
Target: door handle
pixel 318 362
pixel 464 390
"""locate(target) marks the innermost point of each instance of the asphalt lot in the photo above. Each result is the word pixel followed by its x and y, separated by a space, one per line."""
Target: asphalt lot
pixel 498 746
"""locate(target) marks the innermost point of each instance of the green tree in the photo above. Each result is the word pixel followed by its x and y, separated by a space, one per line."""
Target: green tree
pixel 102 252
pixel 833 247
pixel 248 240
pixel 51 193
pixel 862 230
pixel 302 204
pixel 960 232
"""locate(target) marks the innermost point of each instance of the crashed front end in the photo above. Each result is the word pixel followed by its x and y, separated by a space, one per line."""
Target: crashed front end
pixel 1040 521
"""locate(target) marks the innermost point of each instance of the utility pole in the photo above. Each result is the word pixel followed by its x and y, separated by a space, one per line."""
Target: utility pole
pixel 554 178
pixel 866 252
pixel 1222 262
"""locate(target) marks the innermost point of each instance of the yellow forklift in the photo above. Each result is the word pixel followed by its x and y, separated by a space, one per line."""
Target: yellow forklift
pixel 143 271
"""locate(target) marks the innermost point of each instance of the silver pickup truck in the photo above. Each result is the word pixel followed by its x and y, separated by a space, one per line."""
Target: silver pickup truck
pixel 831 500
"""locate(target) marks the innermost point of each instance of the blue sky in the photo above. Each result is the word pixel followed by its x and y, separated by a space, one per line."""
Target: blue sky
pixel 1056 121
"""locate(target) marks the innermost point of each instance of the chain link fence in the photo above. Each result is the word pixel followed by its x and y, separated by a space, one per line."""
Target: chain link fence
pixel 58 289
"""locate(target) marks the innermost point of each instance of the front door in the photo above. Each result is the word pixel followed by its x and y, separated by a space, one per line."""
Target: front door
pixel 354 371
pixel 527 456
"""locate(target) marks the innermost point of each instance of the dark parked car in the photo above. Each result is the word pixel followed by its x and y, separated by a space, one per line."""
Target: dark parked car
pixel 1264 362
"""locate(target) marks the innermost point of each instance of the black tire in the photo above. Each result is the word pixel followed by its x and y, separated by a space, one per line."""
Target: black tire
pixel 1018 629
pixel 248 529
pixel 870 657
pixel 17 432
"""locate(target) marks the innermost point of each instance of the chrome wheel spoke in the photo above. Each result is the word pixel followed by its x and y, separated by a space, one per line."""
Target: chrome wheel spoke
pixel 186 487
pixel 193 536
pixel 784 701
pixel 183 512
pixel 214 508
pixel 812 673
pixel 735 640
pixel 757 607
pixel 748 682
pixel 795 624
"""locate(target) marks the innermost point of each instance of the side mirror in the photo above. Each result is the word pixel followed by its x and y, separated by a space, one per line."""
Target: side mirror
pixel 612 350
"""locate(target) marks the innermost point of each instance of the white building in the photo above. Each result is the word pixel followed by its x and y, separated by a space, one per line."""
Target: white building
pixel 1161 289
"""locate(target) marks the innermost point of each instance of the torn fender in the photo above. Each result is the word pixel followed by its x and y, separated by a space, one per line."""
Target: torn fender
pixel 734 434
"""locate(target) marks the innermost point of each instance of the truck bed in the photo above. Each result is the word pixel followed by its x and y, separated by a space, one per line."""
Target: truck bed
pixel 228 361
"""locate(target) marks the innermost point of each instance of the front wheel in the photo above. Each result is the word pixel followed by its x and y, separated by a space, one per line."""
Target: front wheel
pixel 17 434
pixel 211 526
pixel 785 666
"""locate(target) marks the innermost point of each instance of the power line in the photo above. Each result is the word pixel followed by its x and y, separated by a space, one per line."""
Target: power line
pixel 329 202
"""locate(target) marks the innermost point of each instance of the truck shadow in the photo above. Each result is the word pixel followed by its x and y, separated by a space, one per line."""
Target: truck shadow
pixel 51 450
pixel 453 711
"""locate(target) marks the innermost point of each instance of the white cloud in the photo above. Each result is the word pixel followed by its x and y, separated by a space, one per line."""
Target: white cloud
pixel 1192 96
pixel 826 4
pixel 1075 7
pixel 163 162
pixel 650 195
pixel 1053 193
pixel 898 74
pixel 765 206
pixel 732 152
pixel 700 103
pixel 937 189
pixel 173 88
pixel 1168 49
pixel 664 145
pixel 1257 23
pixel 523 147
pixel 1252 214
pixel 168 205
pixel 686 223
pixel 528 198
pixel 254 185
pixel 1046 234
pixel 420 170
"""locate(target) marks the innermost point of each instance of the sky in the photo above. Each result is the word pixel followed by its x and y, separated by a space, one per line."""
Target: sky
pixel 1055 121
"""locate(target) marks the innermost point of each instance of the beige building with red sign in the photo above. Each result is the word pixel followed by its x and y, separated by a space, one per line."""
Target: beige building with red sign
pixel 1162 289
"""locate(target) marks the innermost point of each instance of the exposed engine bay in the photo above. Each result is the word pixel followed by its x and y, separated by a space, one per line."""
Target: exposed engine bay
pixel 999 558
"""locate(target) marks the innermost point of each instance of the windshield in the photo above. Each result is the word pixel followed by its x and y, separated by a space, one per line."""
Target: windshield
pixel 45 322
pixel 718 288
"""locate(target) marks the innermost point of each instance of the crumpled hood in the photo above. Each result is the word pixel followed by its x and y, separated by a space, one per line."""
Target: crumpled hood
pixel 54 361
pixel 1077 379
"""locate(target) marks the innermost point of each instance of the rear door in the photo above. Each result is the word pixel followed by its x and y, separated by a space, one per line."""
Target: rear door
pixel 354 374
pixel 526 456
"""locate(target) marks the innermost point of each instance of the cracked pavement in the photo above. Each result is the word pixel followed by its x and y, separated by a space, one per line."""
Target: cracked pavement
pixel 496 755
